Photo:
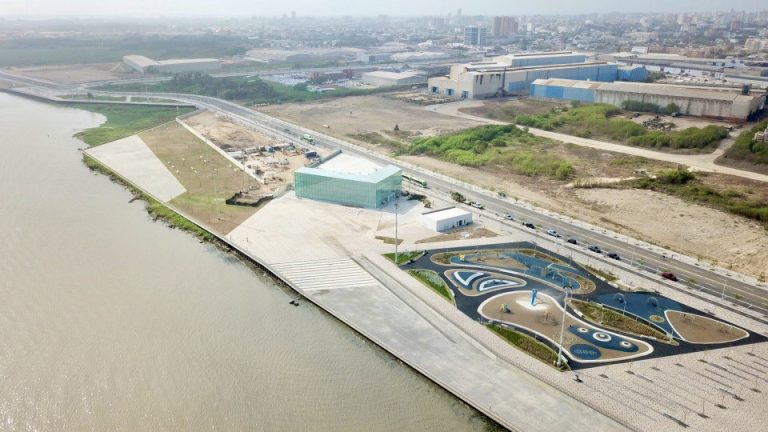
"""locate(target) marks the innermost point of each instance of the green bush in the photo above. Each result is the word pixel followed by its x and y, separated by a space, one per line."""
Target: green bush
pixel 746 148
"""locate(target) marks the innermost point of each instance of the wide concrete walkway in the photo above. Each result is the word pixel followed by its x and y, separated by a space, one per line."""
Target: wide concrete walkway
pixel 135 161
pixel 407 328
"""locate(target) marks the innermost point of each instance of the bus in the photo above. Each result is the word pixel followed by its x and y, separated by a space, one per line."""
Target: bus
pixel 415 180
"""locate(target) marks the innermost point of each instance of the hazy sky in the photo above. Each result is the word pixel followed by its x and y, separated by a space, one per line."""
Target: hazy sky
pixel 357 7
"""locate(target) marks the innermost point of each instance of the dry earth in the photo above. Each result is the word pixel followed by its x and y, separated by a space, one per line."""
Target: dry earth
pixel 77 73
pixel 368 114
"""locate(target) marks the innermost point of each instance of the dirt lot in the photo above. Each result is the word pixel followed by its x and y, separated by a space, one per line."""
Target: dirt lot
pixel 77 73
pixel 368 114
pixel 226 134
pixel 689 228
pixel 507 110
pixel 208 177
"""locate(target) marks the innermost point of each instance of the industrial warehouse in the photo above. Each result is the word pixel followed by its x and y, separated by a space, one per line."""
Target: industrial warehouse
pixel 716 103
pixel 348 180
pixel 388 79
pixel 145 65
pixel 513 74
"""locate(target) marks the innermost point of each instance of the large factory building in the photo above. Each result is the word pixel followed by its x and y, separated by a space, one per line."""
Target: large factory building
pixel 146 65
pixel 718 103
pixel 514 73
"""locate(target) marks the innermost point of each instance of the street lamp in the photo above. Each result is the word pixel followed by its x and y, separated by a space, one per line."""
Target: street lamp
pixel 566 289
pixel 396 241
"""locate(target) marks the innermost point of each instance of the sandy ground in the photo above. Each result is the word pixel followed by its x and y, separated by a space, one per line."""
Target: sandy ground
pixel 700 329
pixel 77 73
pixel 368 114
pixel 695 230
pixel 226 134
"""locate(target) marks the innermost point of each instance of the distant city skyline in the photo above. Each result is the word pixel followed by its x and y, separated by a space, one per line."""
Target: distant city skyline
pixel 245 8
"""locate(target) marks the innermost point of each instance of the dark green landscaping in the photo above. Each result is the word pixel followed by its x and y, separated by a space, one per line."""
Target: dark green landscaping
pixel 504 146
pixel 747 149
pixel 601 315
pixel 404 257
pixel 600 121
pixel 688 186
pixel 527 344
pixel 125 120
pixel 250 90
pixel 53 51
pixel 432 280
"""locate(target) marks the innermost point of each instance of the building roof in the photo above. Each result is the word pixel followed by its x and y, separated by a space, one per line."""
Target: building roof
pixel 186 61
pixel 445 213
pixel 498 67
pixel 391 75
pixel 344 166
pixel 707 93
pixel 140 60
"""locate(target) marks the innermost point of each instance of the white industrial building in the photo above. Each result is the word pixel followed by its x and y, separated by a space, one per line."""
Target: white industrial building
pixel 146 65
pixel 514 73
pixel 387 79
pixel 712 102
pixel 446 219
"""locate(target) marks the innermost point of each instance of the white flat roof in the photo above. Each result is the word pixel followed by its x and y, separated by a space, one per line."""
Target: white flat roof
pixel 186 61
pixel 391 75
pixel 140 60
pixel 346 164
pixel 446 213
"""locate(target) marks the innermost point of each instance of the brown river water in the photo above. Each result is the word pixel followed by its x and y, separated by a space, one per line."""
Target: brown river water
pixel 112 322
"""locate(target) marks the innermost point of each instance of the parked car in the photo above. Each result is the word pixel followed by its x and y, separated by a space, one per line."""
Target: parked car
pixel 476 205
pixel 508 216
pixel 668 275
pixel 572 241
pixel 529 225
pixel 553 233
pixel 595 248
pixel 614 255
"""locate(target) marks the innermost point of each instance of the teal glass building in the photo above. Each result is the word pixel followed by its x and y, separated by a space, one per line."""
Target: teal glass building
pixel 365 185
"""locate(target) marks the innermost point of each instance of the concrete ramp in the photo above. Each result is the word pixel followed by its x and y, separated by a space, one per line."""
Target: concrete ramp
pixel 131 158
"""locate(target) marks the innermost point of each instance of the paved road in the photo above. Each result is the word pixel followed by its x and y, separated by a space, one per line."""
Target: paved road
pixel 733 288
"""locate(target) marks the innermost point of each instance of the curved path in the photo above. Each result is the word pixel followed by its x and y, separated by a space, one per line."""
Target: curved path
pixel 698 162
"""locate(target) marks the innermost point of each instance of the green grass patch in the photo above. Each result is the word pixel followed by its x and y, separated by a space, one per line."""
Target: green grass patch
pixel 528 345
pixel 156 209
pixel 685 185
pixel 598 314
pixel 404 257
pixel 434 281
pixel 505 146
pixel 598 121
pixel 249 89
pixel 125 120
pixel 747 149
pixel 610 277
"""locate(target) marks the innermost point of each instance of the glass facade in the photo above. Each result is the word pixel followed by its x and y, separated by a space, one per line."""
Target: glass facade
pixel 371 191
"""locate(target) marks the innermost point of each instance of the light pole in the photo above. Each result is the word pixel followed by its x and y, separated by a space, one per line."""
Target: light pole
pixel 562 325
pixel 396 241
pixel 722 295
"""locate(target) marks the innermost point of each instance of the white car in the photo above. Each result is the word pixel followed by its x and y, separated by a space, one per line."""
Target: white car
pixel 553 233
pixel 476 205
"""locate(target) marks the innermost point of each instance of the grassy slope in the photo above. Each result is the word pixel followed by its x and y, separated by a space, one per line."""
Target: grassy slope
pixel 124 120
pixel 505 146
pixel 432 280
pixel 599 121
pixel 526 343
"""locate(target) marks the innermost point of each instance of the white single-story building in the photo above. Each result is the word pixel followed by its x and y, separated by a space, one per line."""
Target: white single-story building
pixel 446 218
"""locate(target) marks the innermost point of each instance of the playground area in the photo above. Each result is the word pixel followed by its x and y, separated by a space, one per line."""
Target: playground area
pixel 540 295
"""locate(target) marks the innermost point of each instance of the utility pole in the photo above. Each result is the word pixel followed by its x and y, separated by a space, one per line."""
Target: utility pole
pixel 396 240
pixel 562 325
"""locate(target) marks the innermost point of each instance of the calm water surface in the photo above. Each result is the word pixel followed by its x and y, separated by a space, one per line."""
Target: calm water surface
pixel 109 321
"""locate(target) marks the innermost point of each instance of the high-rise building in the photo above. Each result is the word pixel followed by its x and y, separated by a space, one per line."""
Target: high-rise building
pixel 503 26
pixel 475 36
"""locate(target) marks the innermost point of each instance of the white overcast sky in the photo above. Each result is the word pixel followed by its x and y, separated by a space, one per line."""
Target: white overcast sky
pixel 149 8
